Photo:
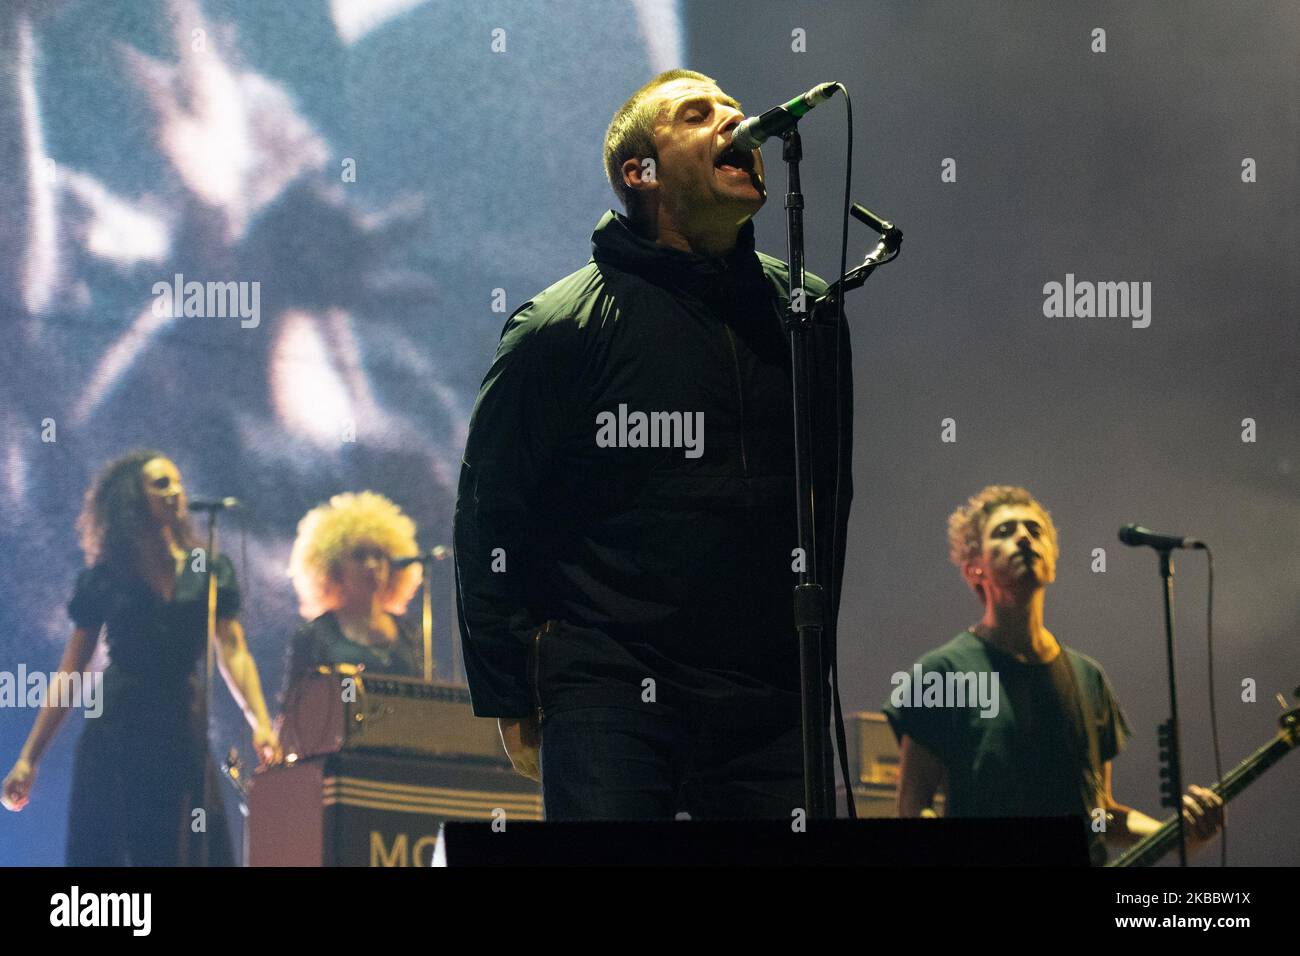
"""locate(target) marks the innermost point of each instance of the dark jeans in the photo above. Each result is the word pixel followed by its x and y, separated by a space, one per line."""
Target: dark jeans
pixel 718 761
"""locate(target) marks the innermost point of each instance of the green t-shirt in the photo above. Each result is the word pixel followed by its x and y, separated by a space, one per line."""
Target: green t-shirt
pixel 1032 755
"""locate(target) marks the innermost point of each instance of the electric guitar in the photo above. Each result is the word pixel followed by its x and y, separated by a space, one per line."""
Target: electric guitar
pixel 1151 848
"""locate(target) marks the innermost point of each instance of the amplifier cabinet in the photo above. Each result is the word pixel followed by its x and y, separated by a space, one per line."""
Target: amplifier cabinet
pixel 347 709
pixel 363 809
pixel 874 766
pixel 872 750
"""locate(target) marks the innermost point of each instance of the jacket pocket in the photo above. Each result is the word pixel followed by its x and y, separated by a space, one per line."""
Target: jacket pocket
pixel 539 636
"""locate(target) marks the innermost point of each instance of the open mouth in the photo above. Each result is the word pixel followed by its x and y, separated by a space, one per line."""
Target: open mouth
pixel 735 160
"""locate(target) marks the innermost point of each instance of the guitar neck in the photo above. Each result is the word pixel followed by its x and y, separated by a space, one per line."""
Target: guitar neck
pixel 1151 848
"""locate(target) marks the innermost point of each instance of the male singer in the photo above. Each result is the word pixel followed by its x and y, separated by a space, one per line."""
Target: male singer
pixel 625 536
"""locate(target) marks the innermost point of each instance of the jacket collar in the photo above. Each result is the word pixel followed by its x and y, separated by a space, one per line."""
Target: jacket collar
pixel 614 242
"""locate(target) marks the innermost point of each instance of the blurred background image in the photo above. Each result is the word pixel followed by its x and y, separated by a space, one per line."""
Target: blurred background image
pixel 397 176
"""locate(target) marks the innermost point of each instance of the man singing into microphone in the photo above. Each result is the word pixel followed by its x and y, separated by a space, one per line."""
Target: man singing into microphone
pixel 625 535
pixel 1043 745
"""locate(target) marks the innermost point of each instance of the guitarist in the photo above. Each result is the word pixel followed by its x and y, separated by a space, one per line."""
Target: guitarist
pixel 1041 744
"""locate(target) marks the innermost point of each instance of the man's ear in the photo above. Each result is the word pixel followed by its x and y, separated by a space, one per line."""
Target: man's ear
pixel 974 577
pixel 641 173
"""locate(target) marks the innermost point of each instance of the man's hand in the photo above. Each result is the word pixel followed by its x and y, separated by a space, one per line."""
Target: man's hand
pixel 1202 814
pixel 523 742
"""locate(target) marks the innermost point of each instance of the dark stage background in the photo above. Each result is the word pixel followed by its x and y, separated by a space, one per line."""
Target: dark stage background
pixel 136 148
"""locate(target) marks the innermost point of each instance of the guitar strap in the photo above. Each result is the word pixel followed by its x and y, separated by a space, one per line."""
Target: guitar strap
pixel 1080 729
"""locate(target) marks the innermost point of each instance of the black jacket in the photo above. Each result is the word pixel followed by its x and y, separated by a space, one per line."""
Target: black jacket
pixel 611 566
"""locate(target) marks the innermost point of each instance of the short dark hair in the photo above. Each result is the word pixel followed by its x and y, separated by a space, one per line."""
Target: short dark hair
pixel 632 131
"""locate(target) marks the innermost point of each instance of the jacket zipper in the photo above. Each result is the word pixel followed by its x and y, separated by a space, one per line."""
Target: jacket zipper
pixel 744 460
pixel 537 669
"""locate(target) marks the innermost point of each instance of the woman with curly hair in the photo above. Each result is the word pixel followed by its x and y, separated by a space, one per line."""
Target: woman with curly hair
pixel 138 782
pixel 349 591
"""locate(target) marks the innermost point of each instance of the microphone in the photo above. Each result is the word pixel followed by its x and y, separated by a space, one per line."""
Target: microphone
pixel 873 222
pixel 436 553
pixel 752 133
pixel 889 233
pixel 214 504
pixel 1135 536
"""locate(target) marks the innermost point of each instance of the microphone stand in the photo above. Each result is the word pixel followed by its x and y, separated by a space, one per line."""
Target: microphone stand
pixel 1174 768
pixel 426 614
pixel 826 306
pixel 426 617
pixel 809 595
pixel 206 698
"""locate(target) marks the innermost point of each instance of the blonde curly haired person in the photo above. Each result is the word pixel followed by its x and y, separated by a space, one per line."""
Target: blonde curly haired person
pixel 349 593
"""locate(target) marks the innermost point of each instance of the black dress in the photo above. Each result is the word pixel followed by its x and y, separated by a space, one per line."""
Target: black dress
pixel 138 774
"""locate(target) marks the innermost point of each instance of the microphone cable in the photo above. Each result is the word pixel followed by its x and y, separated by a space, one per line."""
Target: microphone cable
pixel 840 736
